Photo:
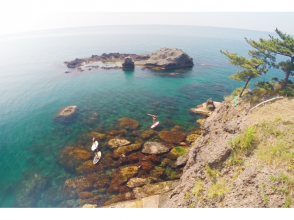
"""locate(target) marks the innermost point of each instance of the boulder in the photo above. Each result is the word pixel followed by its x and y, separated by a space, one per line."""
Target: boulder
pixel 127 123
pixel 169 58
pixel 120 197
pixel 206 108
pixel 66 115
pixel 172 137
pixel 125 149
pixel 154 148
pixel 117 142
pixel 182 160
pixel 128 64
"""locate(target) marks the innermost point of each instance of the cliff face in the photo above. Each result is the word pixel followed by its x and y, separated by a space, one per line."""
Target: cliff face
pixel 226 165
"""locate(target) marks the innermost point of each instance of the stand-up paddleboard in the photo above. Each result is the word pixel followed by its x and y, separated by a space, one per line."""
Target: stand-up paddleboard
pixel 97 157
pixel 155 124
pixel 94 146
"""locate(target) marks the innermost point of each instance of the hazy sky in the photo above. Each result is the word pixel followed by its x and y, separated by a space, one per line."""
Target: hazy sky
pixel 30 15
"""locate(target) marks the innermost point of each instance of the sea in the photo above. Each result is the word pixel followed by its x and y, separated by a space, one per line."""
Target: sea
pixel 34 86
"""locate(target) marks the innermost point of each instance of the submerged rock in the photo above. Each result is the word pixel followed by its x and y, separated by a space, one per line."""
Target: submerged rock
pixel 66 115
pixel 120 197
pixel 192 138
pixel 127 123
pixel 71 158
pixel 117 142
pixel 169 58
pixel 172 137
pixel 125 149
pixel 154 148
pixel 31 185
pixel 147 134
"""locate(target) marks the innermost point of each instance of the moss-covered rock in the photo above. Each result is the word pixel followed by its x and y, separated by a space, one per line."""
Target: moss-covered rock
pixel 146 165
pixel 172 137
pixel 125 149
pixel 127 123
pixel 154 148
pixel 88 167
pixel 70 158
pixel 97 135
pixel 192 138
pixel 166 162
pixel 109 162
pixel 147 134
pixel 177 152
pixel 116 132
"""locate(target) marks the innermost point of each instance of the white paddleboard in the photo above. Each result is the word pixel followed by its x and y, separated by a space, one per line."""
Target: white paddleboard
pixel 155 124
pixel 97 157
pixel 94 146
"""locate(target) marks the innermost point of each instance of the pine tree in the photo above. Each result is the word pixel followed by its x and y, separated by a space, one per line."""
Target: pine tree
pixel 253 67
pixel 284 46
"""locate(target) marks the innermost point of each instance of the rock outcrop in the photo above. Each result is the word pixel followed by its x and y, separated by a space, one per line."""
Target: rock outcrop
pixel 128 64
pixel 206 108
pixel 169 58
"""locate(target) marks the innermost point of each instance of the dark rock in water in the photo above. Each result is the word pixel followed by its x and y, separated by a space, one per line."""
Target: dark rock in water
pixel 67 71
pixel 75 63
pixel 154 148
pixel 172 137
pixel 52 196
pixel 128 64
pixel 169 58
pixel 66 115
pixel 31 186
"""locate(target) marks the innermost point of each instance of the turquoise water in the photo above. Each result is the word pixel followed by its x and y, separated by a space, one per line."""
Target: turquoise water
pixel 34 86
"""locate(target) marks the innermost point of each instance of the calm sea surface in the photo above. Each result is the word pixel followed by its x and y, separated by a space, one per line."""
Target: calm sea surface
pixel 34 86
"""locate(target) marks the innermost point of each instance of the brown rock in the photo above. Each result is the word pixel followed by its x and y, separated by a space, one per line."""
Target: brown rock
pixel 117 132
pixel 117 142
pixel 71 158
pixel 192 138
pixel 172 137
pixel 147 134
pixel 154 148
pixel 135 182
pixel 85 195
pixel 97 135
pixel 125 149
pixel 127 123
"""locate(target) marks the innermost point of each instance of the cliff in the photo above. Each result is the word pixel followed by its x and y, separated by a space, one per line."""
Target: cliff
pixel 242 159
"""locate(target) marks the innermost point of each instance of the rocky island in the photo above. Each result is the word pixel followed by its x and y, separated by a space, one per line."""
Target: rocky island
pixel 163 59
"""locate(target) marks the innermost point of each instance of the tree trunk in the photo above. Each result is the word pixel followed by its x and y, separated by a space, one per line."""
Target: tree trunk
pixel 240 95
pixel 286 80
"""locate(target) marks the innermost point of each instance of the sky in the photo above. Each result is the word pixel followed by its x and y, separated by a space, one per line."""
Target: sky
pixel 31 15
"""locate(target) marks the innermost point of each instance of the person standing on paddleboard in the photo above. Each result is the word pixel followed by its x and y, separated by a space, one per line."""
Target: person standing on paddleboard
pixel 153 117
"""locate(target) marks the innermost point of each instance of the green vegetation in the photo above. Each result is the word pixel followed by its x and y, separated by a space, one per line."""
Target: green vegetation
pixel 262 58
pixel 212 173
pixel 253 68
pixel 198 187
pixel 218 189
pixel 180 150
pixel 241 144
pixel 265 197
pixel 287 202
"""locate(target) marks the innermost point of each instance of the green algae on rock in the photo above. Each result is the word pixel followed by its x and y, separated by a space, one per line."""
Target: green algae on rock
pixel 71 158
pixel 177 152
